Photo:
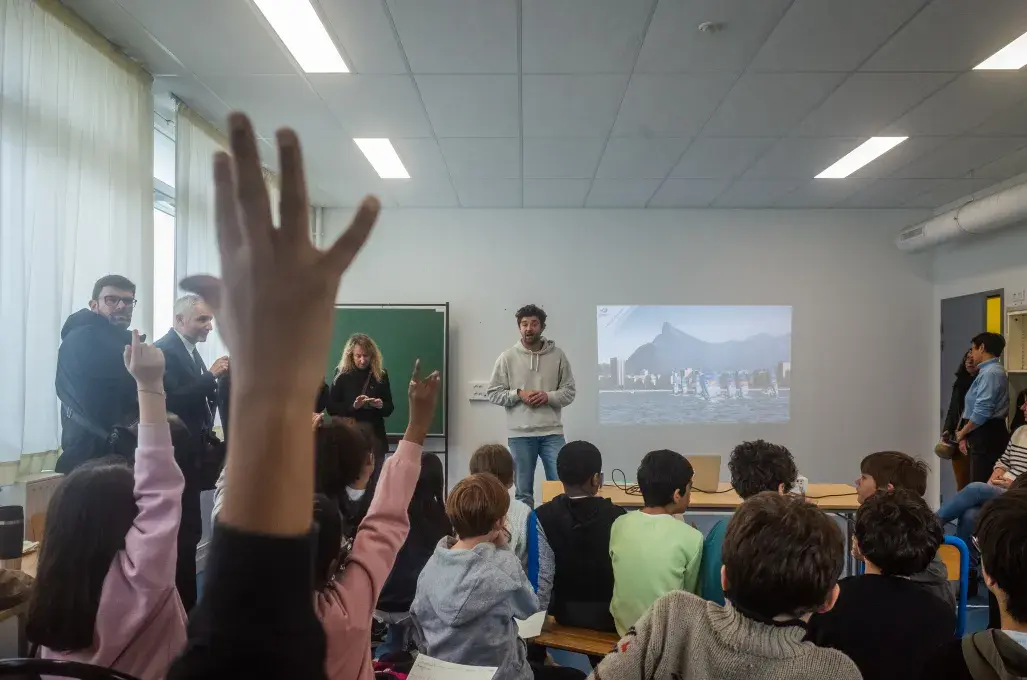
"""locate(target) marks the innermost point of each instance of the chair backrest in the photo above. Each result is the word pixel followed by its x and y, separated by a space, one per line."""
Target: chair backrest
pixel 61 669
pixel 949 555
pixel 956 556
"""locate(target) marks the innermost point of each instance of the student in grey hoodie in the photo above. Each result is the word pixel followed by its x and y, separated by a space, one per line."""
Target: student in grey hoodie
pixel 473 587
pixel 533 381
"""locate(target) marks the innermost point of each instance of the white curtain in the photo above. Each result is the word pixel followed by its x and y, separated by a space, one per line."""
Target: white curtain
pixel 76 199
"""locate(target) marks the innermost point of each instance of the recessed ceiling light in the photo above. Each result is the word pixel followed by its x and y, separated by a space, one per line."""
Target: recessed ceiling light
pixel 299 27
pixel 1010 58
pixel 383 158
pixel 860 156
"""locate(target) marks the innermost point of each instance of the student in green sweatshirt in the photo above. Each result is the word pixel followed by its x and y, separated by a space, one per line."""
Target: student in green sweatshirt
pixel 652 551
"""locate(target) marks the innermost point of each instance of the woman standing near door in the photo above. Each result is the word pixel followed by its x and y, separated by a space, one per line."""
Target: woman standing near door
pixel 361 391
pixel 954 418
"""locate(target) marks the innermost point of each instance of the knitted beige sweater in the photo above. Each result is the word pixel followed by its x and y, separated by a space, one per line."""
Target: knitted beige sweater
pixel 687 638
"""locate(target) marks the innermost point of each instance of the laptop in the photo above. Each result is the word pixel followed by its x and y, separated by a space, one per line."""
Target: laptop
pixel 707 472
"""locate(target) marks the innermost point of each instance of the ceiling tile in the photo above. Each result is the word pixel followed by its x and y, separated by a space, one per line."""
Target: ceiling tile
pixel 866 103
pixel 373 106
pixel 489 193
pixel 196 96
pixel 831 35
pixel 365 35
pixel 555 193
pixel 670 104
pixel 822 193
pixel 960 156
pixel 347 193
pixel 675 45
pixel 458 36
pixel 688 193
pixel 801 157
pixel 421 157
pixel 422 192
pixel 891 193
pixel 951 35
pixel 471 106
pixel 947 193
pixel 1009 121
pixel 562 157
pixel 571 106
pixel 963 104
pixel 634 157
pixel 770 104
pixel 621 193
pixel 1008 166
pixel 341 160
pixel 900 156
pixel 276 101
pixel 582 36
pixel 756 193
pixel 721 157
pixel 478 157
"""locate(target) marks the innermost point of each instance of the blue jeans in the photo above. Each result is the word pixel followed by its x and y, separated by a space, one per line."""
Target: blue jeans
pixel 964 507
pixel 526 452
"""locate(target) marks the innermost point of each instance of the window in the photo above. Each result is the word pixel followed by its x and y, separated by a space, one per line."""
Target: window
pixel 164 284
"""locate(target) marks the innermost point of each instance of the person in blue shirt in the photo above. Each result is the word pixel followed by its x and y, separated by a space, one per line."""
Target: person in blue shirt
pixel 985 436
pixel 755 467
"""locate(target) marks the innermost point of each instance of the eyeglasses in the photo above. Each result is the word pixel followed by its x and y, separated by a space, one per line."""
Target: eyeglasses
pixel 113 301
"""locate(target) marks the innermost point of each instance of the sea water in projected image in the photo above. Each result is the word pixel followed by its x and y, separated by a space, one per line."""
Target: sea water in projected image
pixel 694 364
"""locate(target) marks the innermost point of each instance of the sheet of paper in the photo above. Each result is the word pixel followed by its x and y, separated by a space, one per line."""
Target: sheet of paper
pixel 532 626
pixel 427 668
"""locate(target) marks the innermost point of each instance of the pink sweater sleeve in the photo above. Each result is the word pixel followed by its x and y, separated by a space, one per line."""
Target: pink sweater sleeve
pixel 151 545
pixel 378 539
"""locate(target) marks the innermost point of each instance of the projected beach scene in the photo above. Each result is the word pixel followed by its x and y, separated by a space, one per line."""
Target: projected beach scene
pixel 663 365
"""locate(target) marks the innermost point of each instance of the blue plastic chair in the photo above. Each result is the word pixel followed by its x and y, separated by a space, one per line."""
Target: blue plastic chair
pixel 963 575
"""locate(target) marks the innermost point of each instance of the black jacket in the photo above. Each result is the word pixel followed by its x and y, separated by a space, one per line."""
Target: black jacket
pixel 93 382
pixel 338 401
pixel 960 386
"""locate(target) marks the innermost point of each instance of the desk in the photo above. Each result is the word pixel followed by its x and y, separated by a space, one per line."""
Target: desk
pixel 838 499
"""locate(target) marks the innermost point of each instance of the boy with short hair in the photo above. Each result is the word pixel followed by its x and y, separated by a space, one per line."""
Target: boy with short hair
pixel 993 653
pixel 652 551
pixel 890 470
pixel 575 574
pixel 496 459
pixel 782 557
pixel 888 625
pixel 755 467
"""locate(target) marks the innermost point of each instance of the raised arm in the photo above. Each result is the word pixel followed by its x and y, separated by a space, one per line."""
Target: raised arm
pixel 499 386
pixel 564 393
pixel 151 545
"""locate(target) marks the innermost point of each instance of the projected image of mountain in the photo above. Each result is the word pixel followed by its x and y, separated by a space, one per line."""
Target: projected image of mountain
pixel 693 364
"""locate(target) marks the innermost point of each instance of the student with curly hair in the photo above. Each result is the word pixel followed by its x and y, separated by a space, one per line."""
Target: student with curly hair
pixel 755 467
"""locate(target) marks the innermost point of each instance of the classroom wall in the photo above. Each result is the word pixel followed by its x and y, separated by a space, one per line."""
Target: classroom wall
pixel 861 313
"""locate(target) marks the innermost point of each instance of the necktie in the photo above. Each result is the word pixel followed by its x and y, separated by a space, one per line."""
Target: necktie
pixel 200 367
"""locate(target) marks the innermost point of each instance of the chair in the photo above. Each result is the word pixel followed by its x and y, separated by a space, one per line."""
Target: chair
pixel 33 668
pixel 956 557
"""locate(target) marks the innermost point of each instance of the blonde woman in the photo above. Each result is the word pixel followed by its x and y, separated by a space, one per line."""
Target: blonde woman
pixel 361 390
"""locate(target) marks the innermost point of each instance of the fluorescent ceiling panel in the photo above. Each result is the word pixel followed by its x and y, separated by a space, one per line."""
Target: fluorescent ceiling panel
pixel 383 158
pixel 299 27
pixel 1010 58
pixel 860 156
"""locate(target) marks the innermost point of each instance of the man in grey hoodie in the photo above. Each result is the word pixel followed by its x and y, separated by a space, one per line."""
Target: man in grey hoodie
pixel 533 381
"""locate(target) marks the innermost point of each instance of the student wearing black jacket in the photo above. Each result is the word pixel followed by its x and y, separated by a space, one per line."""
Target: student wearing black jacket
pixel 954 418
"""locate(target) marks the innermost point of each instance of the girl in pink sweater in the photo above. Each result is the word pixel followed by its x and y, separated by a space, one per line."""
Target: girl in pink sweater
pixel 105 592
pixel 345 600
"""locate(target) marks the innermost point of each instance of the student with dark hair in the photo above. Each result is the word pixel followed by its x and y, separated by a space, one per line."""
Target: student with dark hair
pixel 782 557
pixel 890 470
pixel 533 381
pixel 995 653
pixel 496 460
pixel 575 574
pixel 965 375
pixel 755 467
pixel 105 588
pixel 984 434
pixel 653 551
pixel 347 584
pixel 884 622
pixel 428 525
pixel 473 588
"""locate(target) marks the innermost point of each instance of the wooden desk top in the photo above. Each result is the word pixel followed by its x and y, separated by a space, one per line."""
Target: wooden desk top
pixel 831 497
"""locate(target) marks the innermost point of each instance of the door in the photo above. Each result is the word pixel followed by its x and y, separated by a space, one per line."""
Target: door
pixel 961 319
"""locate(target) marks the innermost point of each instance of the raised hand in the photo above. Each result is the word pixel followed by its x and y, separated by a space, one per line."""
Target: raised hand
pixel 145 363
pixel 423 395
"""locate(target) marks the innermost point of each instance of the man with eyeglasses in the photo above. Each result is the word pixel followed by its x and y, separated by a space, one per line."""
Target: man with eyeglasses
pixel 96 391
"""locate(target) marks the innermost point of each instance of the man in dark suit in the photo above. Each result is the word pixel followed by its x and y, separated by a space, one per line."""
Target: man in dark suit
pixel 192 395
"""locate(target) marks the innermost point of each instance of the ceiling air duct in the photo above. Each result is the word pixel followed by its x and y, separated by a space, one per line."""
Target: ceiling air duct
pixel 980 216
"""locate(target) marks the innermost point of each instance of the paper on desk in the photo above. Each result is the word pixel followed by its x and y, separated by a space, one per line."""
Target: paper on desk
pixel 531 626
pixel 427 668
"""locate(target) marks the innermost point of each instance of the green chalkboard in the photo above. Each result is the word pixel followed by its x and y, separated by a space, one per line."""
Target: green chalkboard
pixel 403 333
